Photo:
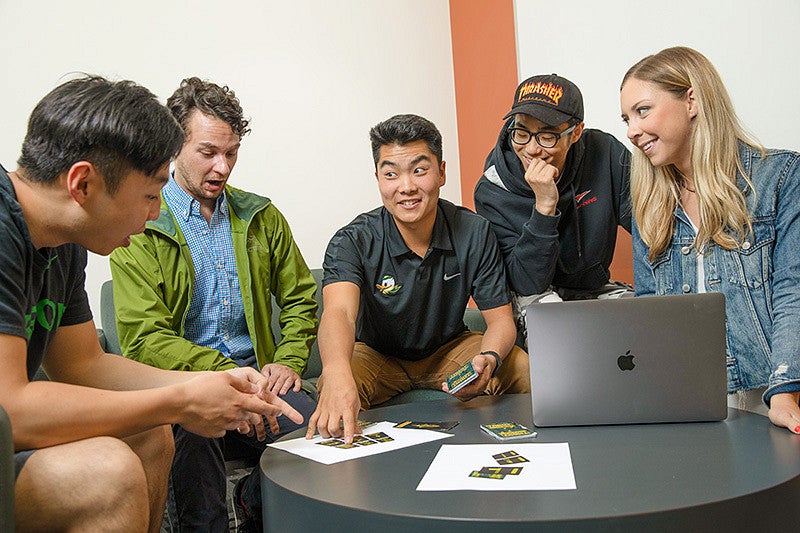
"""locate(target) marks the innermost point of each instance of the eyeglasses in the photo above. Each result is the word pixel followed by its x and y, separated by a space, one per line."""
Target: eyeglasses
pixel 545 139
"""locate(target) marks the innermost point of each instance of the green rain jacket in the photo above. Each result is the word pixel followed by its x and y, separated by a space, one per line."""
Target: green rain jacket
pixel 153 280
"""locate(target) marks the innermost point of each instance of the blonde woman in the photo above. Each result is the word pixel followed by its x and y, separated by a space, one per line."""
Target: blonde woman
pixel 715 211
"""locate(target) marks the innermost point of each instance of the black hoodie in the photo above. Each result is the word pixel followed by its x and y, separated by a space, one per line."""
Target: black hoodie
pixel 573 248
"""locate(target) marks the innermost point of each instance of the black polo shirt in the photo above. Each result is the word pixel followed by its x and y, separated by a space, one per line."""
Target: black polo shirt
pixel 411 306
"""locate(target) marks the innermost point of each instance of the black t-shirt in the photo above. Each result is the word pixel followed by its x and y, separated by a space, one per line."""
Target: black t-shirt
pixel 411 306
pixel 40 290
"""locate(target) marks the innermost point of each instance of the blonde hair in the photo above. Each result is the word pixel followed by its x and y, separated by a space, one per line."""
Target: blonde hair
pixel 715 135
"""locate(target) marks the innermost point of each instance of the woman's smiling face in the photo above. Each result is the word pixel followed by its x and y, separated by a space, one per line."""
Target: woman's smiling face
pixel 659 123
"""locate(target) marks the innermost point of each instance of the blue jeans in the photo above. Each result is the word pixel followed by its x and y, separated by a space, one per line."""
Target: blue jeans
pixel 198 472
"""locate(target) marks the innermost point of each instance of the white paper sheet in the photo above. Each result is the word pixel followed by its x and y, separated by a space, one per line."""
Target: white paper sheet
pixel 310 449
pixel 549 467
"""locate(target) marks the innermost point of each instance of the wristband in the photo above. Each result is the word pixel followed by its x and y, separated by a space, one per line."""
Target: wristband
pixel 496 358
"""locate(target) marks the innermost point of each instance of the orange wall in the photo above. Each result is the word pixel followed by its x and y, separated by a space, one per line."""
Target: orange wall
pixel 485 71
pixel 622 265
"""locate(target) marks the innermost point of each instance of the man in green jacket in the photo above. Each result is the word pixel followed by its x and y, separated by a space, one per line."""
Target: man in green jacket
pixel 193 293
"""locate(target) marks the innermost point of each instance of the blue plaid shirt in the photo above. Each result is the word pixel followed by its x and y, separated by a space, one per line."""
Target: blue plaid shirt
pixel 215 318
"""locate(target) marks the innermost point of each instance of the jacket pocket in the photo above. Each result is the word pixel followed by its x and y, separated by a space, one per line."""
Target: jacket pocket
pixel 750 266
pixel 663 275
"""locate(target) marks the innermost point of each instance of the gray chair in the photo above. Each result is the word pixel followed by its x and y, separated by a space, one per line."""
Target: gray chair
pixel 108 318
pixel 6 473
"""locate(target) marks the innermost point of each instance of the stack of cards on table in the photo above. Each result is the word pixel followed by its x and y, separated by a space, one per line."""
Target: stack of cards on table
pixel 435 426
pixel 461 377
pixel 500 472
pixel 507 430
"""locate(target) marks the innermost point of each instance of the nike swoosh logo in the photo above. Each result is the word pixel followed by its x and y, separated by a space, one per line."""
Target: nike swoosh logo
pixel 579 197
pixel 451 276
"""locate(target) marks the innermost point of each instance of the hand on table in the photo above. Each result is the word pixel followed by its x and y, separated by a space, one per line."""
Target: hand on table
pixel 337 409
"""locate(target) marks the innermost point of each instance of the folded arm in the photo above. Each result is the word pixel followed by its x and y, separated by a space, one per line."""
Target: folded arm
pixel 530 252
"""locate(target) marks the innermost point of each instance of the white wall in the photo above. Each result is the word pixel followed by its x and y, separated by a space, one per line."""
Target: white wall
pixel 754 46
pixel 314 76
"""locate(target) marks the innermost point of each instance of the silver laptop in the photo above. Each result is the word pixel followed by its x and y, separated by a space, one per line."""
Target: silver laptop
pixel 628 361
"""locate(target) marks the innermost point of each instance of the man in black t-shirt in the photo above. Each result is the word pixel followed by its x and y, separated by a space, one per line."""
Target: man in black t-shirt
pixel 397 280
pixel 93 445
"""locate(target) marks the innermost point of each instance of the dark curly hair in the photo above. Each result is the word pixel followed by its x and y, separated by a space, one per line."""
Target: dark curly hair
pixel 210 99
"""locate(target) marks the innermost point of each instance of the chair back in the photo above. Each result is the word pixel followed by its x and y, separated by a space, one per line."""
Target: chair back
pixel 6 473
pixel 108 318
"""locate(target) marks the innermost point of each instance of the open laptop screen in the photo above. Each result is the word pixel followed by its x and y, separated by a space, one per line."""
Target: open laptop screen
pixel 625 361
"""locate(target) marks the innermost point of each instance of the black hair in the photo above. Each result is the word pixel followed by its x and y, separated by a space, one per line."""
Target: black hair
pixel 405 129
pixel 119 127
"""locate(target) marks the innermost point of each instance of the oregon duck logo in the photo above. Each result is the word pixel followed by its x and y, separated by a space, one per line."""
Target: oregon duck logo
pixel 387 286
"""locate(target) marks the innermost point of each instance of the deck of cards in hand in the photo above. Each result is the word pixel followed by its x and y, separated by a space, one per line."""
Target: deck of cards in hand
pixel 507 430
pixel 461 377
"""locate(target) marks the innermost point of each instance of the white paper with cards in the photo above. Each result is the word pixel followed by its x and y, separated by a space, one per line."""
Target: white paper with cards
pixel 400 438
pixel 544 466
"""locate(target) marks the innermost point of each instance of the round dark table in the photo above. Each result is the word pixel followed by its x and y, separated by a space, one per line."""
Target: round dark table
pixel 742 474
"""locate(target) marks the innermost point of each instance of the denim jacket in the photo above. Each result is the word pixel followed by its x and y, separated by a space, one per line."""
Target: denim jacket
pixel 761 280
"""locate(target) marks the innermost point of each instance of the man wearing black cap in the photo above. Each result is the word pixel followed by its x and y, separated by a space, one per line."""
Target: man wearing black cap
pixel 555 193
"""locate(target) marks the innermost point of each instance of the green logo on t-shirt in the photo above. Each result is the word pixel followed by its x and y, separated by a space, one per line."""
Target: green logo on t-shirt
pixel 50 261
pixel 388 286
pixel 46 313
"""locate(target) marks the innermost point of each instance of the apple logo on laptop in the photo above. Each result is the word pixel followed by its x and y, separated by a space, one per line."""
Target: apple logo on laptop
pixel 625 362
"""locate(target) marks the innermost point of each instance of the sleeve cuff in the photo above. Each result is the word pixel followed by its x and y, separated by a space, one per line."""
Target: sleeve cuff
pixel 779 389
pixel 540 224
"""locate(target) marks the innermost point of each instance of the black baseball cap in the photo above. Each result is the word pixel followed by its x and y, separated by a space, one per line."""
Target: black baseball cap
pixel 549 98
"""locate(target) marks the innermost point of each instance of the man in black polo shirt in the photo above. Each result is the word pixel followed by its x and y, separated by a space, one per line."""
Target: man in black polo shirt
pixel 397 280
